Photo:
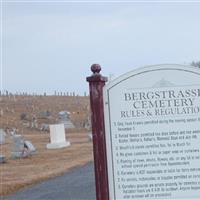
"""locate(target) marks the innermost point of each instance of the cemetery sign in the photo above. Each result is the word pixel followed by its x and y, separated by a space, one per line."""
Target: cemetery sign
pixel 152 134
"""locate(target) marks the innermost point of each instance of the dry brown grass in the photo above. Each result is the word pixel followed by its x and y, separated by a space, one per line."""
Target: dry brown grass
pixel 20 173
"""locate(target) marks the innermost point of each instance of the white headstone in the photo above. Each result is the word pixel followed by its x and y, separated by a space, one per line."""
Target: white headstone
pixel 90 136
pixel 2 136
pixel 57 137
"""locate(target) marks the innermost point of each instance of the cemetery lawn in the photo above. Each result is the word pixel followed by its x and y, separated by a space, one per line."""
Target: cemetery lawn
pixel 19 173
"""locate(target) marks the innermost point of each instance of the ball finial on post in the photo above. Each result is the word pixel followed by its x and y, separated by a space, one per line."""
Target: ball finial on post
pixel 96 68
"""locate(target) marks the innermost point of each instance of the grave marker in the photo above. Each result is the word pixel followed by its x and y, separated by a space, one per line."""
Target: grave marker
pixel 2 159
pixel 1 113
pixel 90 137
pixel 30 147
pixel 18 147
pixel 22 148
pixel 64 118
pixel 2 137
pixel 57 137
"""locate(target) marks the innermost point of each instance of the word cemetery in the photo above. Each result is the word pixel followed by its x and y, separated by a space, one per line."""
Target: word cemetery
pixel 164 102
pixel 146 133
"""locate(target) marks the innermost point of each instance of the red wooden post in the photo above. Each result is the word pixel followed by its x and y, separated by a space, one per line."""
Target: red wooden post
pixel 96 83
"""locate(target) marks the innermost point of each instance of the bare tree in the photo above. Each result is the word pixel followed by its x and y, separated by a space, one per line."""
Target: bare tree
pixel 196 64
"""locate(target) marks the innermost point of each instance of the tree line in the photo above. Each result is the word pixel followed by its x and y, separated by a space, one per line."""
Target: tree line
pixel 196 64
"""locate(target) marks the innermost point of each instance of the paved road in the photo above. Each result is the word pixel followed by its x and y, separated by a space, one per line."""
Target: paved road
pixel 78 184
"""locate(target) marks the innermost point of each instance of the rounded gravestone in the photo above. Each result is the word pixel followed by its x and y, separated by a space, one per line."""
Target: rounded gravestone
pixel 152 119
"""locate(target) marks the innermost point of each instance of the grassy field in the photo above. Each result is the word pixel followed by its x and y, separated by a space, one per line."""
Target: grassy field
pixel 20 173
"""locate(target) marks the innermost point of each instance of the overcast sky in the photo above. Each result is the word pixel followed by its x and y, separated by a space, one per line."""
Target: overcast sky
pixel 51 46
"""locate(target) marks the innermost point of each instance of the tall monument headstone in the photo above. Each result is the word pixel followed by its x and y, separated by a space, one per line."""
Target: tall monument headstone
pixel 57 137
